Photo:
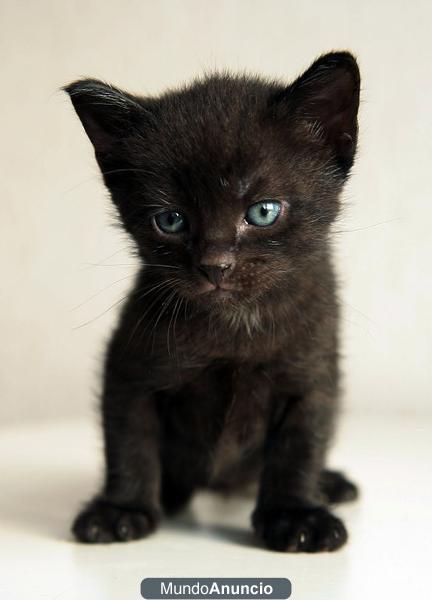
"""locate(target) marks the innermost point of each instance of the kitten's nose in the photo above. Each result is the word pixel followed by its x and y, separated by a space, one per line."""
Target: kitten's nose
pixel 215 273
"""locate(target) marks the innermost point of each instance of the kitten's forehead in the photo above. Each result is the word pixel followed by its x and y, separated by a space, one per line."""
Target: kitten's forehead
pixel 214 117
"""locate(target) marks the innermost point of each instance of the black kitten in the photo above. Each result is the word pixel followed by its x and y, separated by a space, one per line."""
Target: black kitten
pixel 224 366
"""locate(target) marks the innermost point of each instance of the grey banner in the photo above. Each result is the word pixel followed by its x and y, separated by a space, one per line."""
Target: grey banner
pixel 185 588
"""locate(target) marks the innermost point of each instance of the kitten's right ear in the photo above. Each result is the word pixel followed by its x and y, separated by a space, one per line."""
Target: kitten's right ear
pixel 107 113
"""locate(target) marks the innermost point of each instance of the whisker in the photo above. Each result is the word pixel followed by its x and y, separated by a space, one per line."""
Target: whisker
pixel 160 265
pixel 174 328
pixel 367 226
pixel 161 287
pixel 125 249
pixel 102 313
pixel 169 326
pixel 87 264
pixel 156 286
pixel 99 292
pixel 161 313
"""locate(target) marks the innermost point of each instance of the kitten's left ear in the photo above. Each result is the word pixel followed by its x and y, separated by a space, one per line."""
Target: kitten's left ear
pixel 326 99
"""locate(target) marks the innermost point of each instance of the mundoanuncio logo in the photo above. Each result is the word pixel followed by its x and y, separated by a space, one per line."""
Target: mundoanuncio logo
pixel 185 588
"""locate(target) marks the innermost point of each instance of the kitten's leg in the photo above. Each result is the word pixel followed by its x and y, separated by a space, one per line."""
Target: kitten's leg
pixel 186 467
pixel 176 493
pixel 337 488
pixel 128 506
pixel 290 514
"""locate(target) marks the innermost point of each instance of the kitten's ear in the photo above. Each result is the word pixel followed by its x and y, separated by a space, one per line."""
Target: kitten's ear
pixel 107 113
pixel 326 99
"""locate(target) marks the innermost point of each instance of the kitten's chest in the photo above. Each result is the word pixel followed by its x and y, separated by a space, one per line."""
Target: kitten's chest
pixel 225 412
pixel 245 422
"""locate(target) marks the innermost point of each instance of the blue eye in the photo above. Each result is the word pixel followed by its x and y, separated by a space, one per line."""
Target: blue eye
pixel 171 221
pixel 263 214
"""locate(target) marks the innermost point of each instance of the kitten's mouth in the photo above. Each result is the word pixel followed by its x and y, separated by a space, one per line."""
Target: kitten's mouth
pixel 216 291
pixel 223 292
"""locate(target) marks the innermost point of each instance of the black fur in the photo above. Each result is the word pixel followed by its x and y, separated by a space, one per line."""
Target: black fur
pixel 224 366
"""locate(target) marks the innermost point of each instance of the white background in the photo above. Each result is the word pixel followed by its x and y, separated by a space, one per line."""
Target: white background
pixel 56 223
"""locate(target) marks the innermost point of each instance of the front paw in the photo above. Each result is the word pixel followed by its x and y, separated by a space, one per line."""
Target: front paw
pixel 101 523
pixel 300 529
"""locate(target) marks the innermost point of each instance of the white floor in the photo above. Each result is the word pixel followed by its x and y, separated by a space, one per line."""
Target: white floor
pixel 48 470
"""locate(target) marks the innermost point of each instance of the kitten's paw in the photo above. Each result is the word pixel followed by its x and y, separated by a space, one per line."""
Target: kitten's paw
pixel 101 523
pixel 300 530
pixel 337 488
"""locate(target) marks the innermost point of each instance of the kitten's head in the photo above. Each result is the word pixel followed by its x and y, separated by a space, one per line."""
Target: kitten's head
pixel 229 185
